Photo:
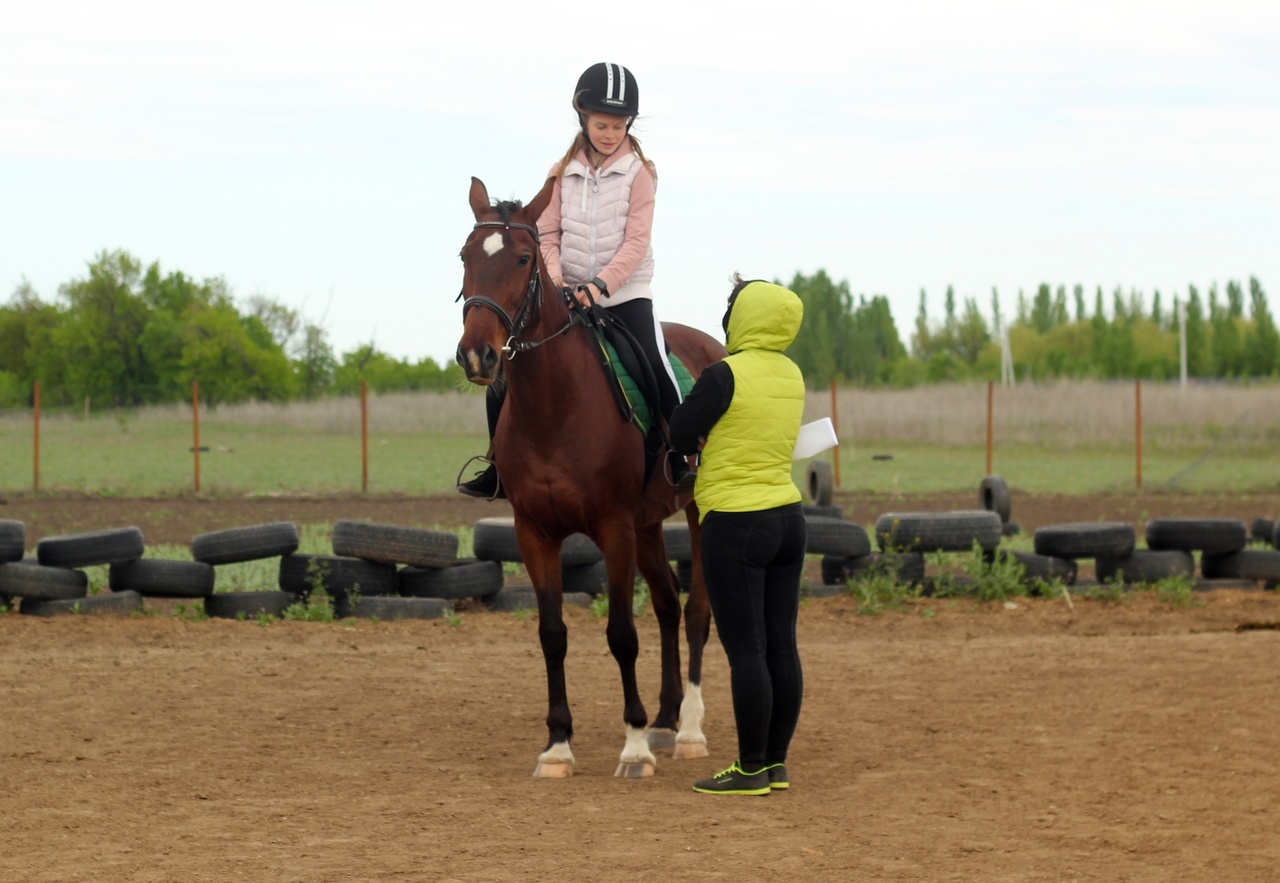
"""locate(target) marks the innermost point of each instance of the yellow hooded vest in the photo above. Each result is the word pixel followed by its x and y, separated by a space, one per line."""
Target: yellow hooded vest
pixel 746 462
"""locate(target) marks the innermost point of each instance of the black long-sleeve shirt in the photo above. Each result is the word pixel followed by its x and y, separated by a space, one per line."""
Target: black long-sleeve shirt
pixel 705 404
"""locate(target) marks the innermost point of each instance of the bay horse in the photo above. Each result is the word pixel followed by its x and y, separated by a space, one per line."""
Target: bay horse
pixel 569 463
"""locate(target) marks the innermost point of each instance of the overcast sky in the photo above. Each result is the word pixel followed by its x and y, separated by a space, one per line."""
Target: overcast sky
pixel 320 154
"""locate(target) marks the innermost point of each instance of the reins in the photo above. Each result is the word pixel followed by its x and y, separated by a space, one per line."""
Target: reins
pixel 529 306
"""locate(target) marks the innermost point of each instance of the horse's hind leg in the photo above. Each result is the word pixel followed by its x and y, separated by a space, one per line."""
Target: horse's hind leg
pixel 690 740
pixel 664 592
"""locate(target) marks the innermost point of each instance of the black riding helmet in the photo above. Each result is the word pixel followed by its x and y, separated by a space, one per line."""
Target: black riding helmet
pixel 606 88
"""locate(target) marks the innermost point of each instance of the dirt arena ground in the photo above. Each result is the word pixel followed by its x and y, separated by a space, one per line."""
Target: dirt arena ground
pixel 951 741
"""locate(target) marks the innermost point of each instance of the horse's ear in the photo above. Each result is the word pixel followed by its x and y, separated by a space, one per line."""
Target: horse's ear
pixel 480 204
pixel 540 202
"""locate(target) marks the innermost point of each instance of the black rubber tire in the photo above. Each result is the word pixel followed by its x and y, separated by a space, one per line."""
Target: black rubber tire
pixel 393 544
pixel 371 607
pixel 251 543
pixel 248 605
pixel 938 531
pixel 835 536
pixel 338 576
pixel 1263 530
pixel 675 536
pixel 161 578
pixel 26 579
pixel 465 578
pixel 819 481
pixel 823 511
pixel 993 496
pixel 495 540
pixel 1011 529
pixel 591 579
pixel 525 598
pixel 88 549
pixel 684 575
pixel 1087 539
pixel 1042 568
pixel 13 538
pixel 119 603
pixel 1251 564
pixel 1213 536
pixel 905 567
pixel 1145 566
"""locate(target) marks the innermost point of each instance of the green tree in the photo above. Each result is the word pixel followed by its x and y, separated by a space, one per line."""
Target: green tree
pixel 1199 356
pixel 827 324
pixel 1042 309
pixel 1262 347
pixel 233 357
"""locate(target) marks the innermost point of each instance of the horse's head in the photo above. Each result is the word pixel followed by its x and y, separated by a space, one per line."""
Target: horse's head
pixel 501 287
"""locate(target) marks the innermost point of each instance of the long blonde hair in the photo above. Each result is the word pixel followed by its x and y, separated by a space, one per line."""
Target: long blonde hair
pixel 580 143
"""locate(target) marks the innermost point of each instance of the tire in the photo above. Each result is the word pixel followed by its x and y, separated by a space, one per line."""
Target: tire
pixel 1251 564
pixel 338 576
pixel 27 579
pixel 818 480
pixel 525 598
pixel 1088 539
pixel 160 578
pixel 89 549
pixel 590 579
pixel 392 544
pixel 13 538
pixel 1011 529
pixel 1263 530
pixel 835 536
pixel 495 540
pixel 993 496
pixel 391 608
pixel 823 511
pixel 246 605
pixel 905 567
pixel 111 603
pixel 1213 536
pixel 1145 566
pixel 246 543
pixel 675 536
pixel 465 578
pixel 938 531
pixel 1042 568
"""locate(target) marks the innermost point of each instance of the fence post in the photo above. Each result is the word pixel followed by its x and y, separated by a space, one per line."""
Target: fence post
pixel 35 465
pixel 835 426
pixel 195 428
pixel 991 395
pixel 364 437
pixel 1137 393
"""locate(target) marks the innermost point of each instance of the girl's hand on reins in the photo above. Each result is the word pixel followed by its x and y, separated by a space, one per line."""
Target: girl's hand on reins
pixel 586 295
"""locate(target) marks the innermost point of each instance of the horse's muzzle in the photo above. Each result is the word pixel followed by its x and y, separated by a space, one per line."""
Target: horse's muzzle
pixel 480 365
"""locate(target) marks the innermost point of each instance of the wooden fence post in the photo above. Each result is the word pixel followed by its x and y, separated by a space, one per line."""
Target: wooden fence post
pixel 991 395
pixel 835 426
pixel 195 428
pixel 35 465
pixel 364 437
pixel 1137 394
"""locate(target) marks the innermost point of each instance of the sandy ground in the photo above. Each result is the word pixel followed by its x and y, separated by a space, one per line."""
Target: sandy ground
pixel 948 741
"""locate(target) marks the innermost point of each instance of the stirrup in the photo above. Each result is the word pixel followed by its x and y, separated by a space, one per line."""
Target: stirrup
pixel 488 461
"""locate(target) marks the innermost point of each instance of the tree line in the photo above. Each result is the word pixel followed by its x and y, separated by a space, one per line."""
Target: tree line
pixel 1051 334
pixel 127 336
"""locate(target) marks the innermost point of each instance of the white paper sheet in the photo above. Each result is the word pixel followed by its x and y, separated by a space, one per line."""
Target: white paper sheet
pixel 814 438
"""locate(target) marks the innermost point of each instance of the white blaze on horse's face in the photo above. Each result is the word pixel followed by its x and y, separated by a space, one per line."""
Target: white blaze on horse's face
pixel 493 243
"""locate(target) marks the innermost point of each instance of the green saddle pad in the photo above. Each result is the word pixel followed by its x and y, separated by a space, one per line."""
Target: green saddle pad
pixel 631 389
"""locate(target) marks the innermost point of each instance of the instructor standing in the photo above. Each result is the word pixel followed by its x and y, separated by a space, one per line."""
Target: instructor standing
pixel 743 414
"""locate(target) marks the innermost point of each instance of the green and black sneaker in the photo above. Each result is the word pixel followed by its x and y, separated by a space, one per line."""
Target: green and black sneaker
pixel 735 780
pixel 778 778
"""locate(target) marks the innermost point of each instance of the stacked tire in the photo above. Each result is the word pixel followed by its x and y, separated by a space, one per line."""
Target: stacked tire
pixel 582 570
pixel 235 545
pixel 55 581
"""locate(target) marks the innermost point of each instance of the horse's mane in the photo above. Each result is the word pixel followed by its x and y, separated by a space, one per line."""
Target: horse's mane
pixel 506 206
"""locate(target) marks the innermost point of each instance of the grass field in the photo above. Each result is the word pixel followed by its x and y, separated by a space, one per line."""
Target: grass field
pixel 1072 438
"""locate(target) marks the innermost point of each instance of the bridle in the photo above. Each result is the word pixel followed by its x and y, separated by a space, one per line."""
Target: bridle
pixel 528 309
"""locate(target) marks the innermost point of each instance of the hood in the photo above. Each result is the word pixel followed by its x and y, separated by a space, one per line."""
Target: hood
pixel 763 316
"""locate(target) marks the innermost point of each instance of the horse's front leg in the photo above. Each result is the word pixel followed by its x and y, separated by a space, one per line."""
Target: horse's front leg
pixel 690 740
pixel 542 561
pixel 651 557
pixel 617 542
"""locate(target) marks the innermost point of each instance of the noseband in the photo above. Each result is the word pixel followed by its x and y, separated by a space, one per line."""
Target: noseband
pixel 515 325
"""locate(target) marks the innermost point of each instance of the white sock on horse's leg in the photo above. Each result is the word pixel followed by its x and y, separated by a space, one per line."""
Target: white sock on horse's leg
pixel 690 741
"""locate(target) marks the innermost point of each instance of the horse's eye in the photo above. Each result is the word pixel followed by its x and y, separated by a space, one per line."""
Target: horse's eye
pixel 524 260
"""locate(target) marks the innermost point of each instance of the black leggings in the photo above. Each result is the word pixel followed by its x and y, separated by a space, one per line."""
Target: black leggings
pixel 637 315
pixel 752 562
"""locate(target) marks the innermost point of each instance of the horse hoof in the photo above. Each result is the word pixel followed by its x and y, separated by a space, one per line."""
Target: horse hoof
pixel 662 739
pixel 550 770
pixel 634 770
pixel 689 751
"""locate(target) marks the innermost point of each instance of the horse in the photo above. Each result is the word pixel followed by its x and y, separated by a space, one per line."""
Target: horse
pixel 569 464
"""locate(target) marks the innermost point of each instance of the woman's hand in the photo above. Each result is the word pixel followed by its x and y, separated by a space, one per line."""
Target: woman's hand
pixel 587 294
